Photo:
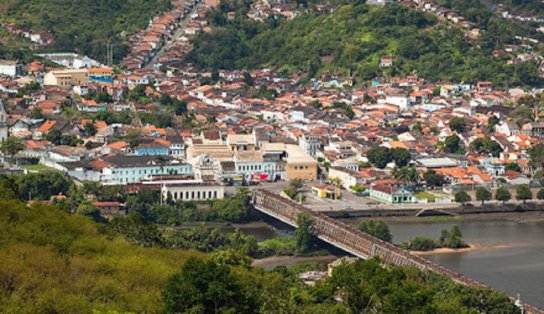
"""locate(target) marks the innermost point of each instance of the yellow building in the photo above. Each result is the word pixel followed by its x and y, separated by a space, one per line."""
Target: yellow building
pixel 326 191
pixel 299 165
pixel 67 78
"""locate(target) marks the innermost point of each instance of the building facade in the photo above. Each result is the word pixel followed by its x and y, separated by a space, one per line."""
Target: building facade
pixel 192 190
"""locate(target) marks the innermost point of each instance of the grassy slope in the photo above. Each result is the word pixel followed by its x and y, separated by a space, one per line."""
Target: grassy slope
pixel 55 262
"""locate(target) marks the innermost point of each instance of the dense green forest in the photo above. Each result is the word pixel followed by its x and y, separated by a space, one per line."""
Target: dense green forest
pixel 351 40
pixel 85 26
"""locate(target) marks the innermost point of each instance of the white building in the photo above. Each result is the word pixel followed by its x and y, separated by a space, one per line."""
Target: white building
pixel 191 190
pixel 348 178
pixel 310 143
pixel 400 100
pixel 9 68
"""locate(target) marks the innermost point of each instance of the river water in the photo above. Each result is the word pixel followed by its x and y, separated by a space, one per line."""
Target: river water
pixel 509 255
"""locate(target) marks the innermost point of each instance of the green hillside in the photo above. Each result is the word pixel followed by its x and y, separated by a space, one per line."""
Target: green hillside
pixel 85 26
pixel 351 40
pixel 52 262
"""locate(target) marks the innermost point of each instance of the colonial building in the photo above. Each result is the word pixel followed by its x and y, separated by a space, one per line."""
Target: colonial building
pixel 348 178
pixel 120 169
pixel 192 190
pixel 391 194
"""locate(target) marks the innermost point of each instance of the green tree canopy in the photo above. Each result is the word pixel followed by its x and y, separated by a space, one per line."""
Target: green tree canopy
pixel 462 197
pixel 378 229
pixel 206 287
pixel 503 195
pixel 304 233
pixel 483 194
pixel 458 124
pixel 523 193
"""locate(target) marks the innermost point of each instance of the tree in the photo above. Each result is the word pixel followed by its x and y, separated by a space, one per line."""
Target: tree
pixel 401 156
pixel 248 79
pixel 503 195
pixel 207 287
pixel 11 146
pixel 421 244
pixel 523 193
pixel 137 230
pixel 483 194
pixel 296 184
pixel 406 174
pixel 417 128
pixel 36 113
pixel 458 124
pixel 379 156
pixel 540 194
pixel 486 146
pixel 54 136
pixel 434 179
pixel 304 233
pixel 90 129
pixel 462 197
pixel 89 211
pixel 452 239
pixel 103 97
pixel 378 229
pixel 536 154
pixel 231 257
pixel 512 166
pixel 452 144
pixel 42 185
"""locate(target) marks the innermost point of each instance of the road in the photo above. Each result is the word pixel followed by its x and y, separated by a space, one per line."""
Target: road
pixel 350 201
pixel 178 33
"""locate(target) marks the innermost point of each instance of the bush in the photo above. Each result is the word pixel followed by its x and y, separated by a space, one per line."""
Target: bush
pixel 421 244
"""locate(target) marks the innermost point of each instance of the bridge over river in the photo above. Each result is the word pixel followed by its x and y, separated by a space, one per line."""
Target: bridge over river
pixel 352 240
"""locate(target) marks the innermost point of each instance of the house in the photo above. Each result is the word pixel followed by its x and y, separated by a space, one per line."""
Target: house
pixel 9 68
pixel 348 178
pixel 509 128
pixel 484 87
pixel 240 142
pixel 299 164
pixel 91 106
pixel 533 128
pixel 326 191
pixel 110 209
pixel 387 61
pixel 191 190
pixel 66 78
pixel 154 148
pixel 392 194
pixel 125 169
pixel 310 143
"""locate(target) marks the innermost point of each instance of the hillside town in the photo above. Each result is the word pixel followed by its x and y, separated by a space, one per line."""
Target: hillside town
pixel 271 156
pixel 159 123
